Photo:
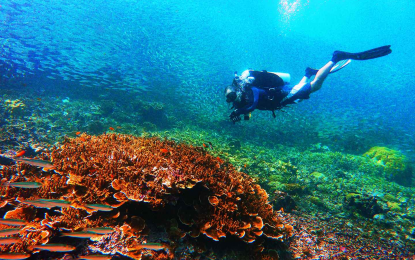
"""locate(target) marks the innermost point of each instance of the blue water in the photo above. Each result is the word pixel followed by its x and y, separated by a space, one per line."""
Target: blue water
pixel 186 52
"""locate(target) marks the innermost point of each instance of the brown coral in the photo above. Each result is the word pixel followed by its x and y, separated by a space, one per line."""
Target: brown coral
pixel 106 179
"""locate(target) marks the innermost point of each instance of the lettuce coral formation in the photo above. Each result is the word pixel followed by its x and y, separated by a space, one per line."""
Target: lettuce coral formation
pixel 393 161
pixel 123 184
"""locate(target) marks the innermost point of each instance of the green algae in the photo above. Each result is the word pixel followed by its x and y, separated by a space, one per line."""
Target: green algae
pixel 318 176
pixel 393 161
pixel 294 188
pixel 16 108
pixel 394 206
pixel 352 196
pixel 316 201
pixel 390 198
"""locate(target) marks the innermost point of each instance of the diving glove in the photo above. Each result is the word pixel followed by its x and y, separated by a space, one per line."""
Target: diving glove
pixel 235 117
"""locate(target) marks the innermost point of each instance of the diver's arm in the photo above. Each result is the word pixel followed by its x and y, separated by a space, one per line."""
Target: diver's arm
pixel 246 109
pixel 250 107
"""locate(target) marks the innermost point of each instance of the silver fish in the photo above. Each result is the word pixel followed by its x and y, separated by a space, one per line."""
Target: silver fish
pixel 55 247
pixel 9 240
pixel 100 230
pixel 56 203
pixel 14 256
pixel 99 207
pixel 9 232
pixel 25 185
pixel 95 257
pixel 36 162
pixel 12 222
pixel 81 234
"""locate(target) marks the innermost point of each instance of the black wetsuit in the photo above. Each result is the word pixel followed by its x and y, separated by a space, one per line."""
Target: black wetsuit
pixel 269 99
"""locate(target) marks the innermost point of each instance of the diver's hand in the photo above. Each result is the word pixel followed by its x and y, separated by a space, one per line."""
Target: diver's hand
pixel 235 117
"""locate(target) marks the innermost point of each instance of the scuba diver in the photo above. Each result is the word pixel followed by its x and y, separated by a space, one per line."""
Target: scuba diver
pixel 271 91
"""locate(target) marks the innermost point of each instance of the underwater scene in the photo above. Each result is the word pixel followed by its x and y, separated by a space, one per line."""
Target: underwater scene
pixel 172 129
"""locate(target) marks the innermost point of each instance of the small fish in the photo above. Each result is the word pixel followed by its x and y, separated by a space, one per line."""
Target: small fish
pixel 26 185
pixel 9 232
pixel 56 203
pixel 9 240
pixel 36 162
pixel 219 159
pixel 95 257
pixel 204 145
pixel 14 256
pixel 81 234
pixel 99 207
pixel 164 150
pixel 12 222
pixel 38 203
pixel 100 230
pixel 55 247
pixel 111 128
pixel 152 246
pixel 78 133
pixel 21 153
pixel 210 145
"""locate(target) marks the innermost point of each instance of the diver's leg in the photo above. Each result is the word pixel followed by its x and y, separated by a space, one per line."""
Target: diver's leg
pixel 304 80
pixel 298 89
pixel 322 74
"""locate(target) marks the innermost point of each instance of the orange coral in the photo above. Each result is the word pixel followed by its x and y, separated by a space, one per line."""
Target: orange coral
pixel 106 179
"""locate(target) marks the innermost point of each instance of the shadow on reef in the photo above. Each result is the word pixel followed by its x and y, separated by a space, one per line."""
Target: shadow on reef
pixel 366 206
pixel 139 190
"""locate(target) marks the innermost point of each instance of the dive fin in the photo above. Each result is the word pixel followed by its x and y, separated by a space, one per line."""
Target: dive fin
pixel 365 55
pixel 309 72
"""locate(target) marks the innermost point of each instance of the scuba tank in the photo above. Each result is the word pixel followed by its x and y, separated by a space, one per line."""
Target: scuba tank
pixel 286 77
pixel 262 79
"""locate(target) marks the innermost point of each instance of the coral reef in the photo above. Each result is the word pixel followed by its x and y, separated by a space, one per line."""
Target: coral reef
pixel 326 174
pixel 152 113
pixel 15 108
pixel 95 127
pixel 281 200
pixel 365 205
pixel 395 163
pixel 107 107
pixel 127 184
pixel 326 237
